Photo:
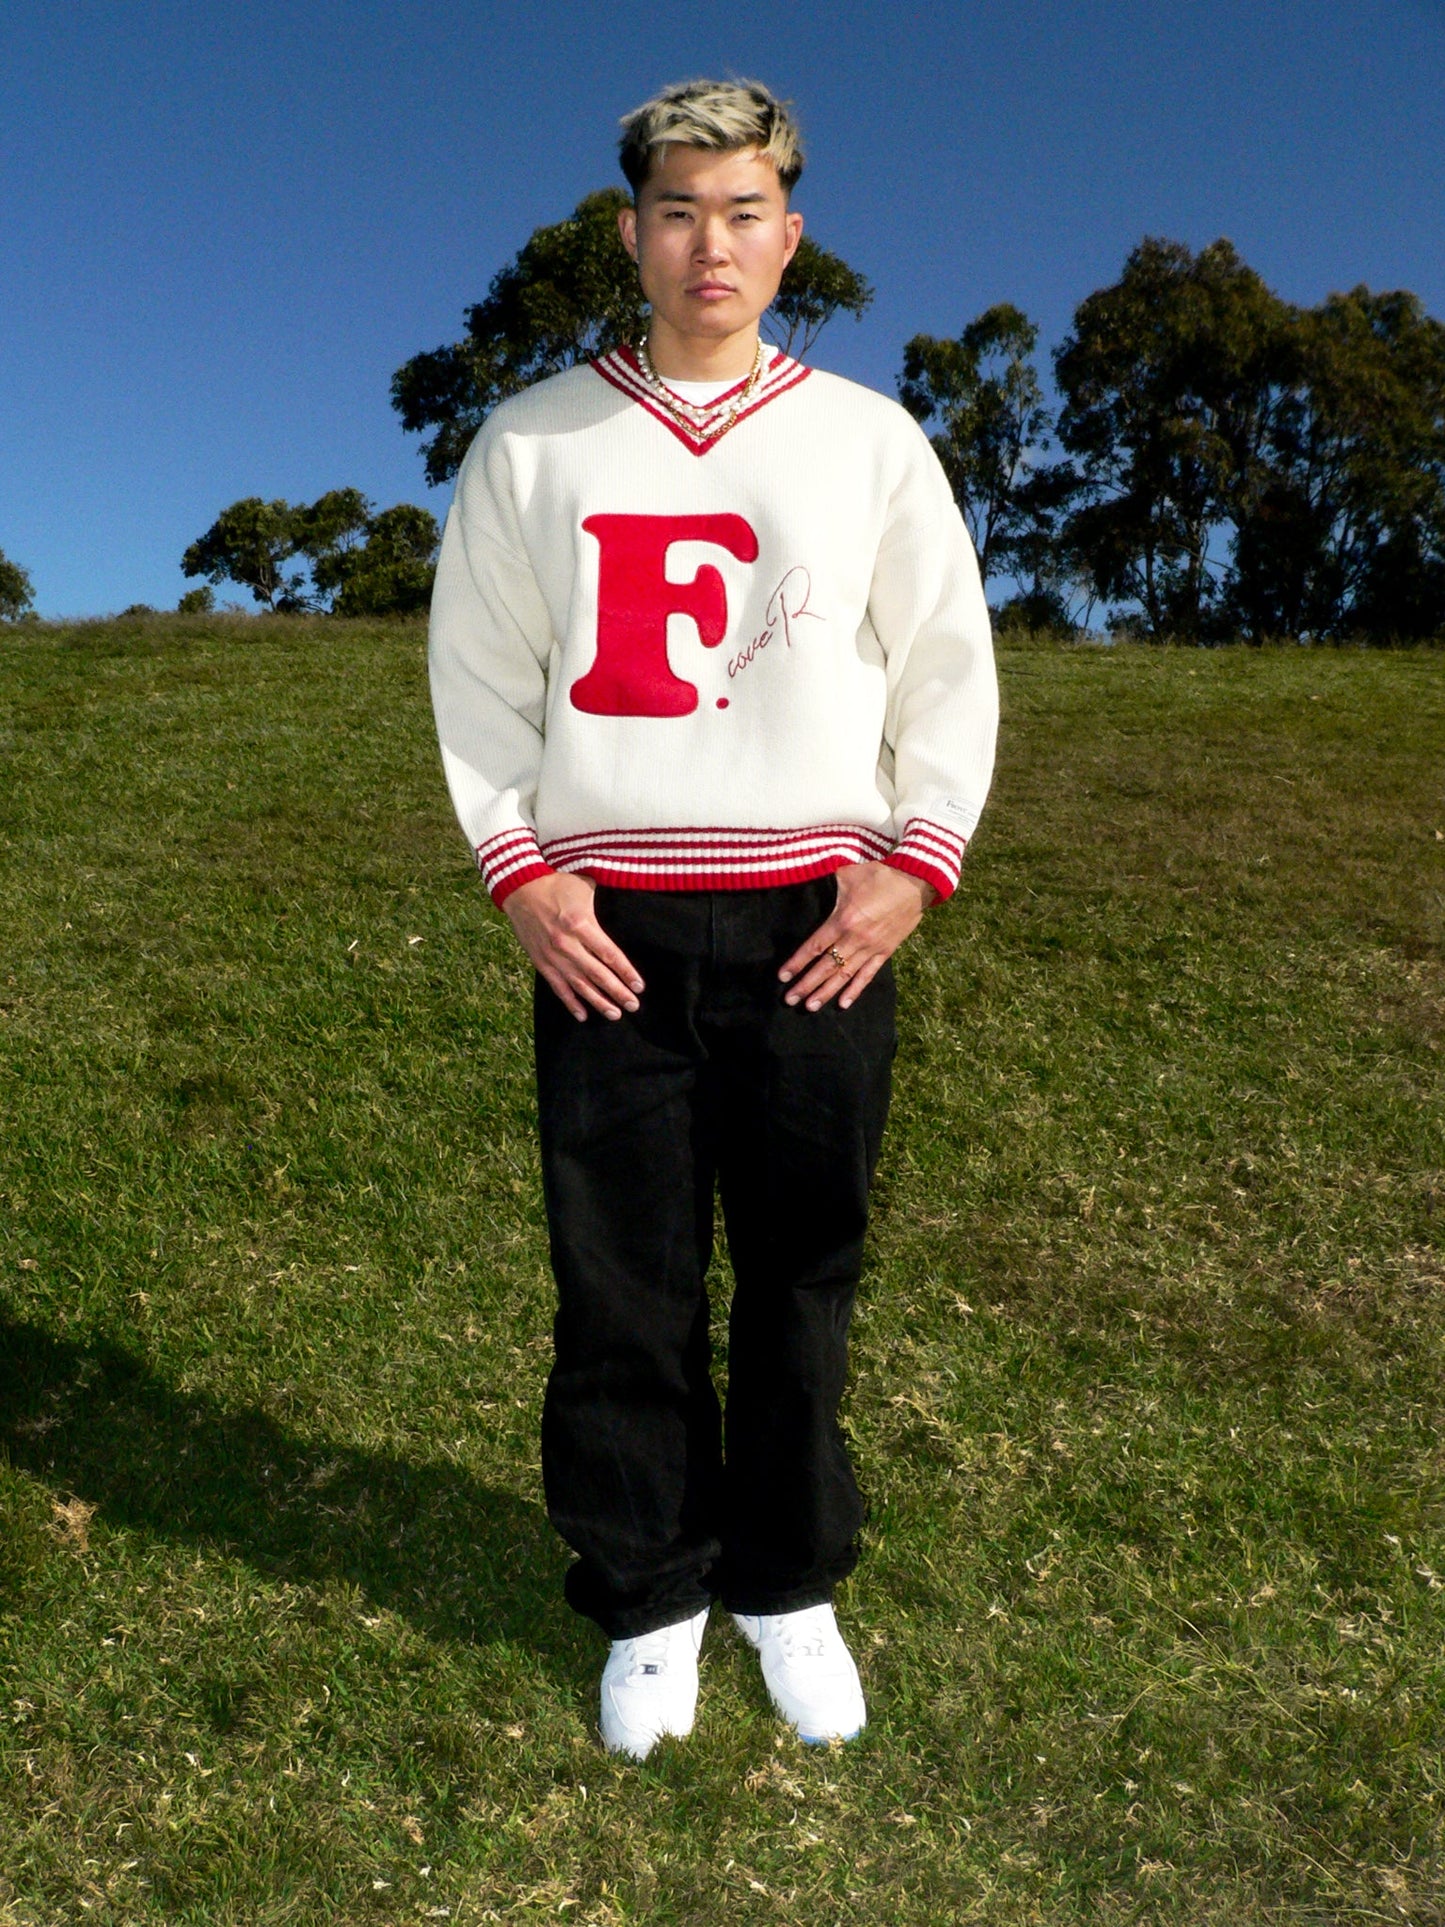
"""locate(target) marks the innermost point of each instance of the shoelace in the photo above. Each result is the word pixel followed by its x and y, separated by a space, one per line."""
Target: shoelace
pixel 804 1638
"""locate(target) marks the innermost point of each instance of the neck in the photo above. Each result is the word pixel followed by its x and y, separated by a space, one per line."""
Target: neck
pixel 685 358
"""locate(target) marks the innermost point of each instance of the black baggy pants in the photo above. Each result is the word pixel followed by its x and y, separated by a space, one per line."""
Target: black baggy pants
pixel 713 1082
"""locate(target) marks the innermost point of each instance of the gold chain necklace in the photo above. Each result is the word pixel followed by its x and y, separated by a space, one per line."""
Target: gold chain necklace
pixel 692 415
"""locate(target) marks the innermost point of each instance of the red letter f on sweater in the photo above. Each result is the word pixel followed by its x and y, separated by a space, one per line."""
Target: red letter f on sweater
pixel 631 676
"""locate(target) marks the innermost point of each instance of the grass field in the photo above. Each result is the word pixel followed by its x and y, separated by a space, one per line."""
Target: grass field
pixel 1149 1389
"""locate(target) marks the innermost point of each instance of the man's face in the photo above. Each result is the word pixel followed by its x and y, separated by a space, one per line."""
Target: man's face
pixel 711 235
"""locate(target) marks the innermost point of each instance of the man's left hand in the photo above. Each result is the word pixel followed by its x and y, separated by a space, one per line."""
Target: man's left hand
pixel 876 909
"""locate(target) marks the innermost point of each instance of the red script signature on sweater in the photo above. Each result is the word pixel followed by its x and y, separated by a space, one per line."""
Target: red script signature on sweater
pixel 786 605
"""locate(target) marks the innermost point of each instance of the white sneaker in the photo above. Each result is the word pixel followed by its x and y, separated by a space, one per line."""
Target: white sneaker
pixel 808 1671
pixel 649 1687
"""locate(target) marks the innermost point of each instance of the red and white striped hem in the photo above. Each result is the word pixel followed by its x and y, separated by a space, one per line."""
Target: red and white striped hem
pixel 718 859
pixel 715 859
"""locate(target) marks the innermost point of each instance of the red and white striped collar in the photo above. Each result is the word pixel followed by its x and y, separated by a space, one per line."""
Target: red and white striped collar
pixel 619 366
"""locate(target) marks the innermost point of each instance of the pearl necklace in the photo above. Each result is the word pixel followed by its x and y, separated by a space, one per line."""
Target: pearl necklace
pixel 693 415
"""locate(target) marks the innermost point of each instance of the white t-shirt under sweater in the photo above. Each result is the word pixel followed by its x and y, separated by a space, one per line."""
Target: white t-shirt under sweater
pixel 679 664
pixel 701 392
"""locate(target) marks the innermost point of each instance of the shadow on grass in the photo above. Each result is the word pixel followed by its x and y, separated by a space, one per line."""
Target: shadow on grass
pixel 456 1559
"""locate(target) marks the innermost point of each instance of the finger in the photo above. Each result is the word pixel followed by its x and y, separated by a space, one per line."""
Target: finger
pixel 820 969
pixel 811 980
pixel 579 979
pixel 583 988
pixel 595 939
pixel 837 980
pixel 584 954
pixel 860 981
pixel 579 946
pixel 563 991
pixel 816 952
pixel 592 979
pixel 823 982
pixel 808 949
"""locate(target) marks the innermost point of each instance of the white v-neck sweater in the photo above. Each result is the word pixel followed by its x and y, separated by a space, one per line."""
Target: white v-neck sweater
pixel 681 664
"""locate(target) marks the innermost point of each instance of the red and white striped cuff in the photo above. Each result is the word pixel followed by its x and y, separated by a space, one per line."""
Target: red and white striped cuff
pixel 929 851
pixel 510 860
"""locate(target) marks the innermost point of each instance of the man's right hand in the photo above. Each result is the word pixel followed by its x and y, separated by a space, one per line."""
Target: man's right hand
pixel 556 926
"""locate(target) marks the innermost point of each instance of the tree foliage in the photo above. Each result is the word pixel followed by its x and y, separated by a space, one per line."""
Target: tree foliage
pixel 335 525
pixel 1229 463
pixel 1247 465
pixel 816 285
pixel 1342 531
pixel 17 592
pixel 571 293
pixel 360 562
pixel 983 392
pixel 390 573
pixel 250 543
pixel 1056 584
pixel 1168 379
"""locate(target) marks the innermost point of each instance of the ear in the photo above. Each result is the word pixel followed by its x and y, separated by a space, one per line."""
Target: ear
pixel 793 230
pixel 627 228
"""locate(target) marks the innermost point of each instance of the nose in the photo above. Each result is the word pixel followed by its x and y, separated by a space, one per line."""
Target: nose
pixel 708 244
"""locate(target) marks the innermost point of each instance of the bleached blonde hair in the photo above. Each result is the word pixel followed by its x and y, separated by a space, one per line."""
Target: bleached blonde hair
pixel 721 114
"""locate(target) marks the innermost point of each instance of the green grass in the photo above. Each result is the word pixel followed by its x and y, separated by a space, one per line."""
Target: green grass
pixel 1148 1392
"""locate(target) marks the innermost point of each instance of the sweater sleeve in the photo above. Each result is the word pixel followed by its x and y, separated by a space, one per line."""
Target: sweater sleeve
pixel 490 639
pixel 927 608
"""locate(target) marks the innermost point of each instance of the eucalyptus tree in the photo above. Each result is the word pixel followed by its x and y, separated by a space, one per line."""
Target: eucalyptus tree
pixel 1344 533
pixel 981 396
pixel 390 573
pixel 17 592
pixel 250 543
pixel 1171 380
pixel 355 561
pixel 817 285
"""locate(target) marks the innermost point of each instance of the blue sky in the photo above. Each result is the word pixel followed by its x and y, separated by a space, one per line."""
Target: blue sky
pixel 221 230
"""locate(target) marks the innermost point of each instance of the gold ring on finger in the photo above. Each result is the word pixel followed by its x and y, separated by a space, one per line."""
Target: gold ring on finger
pixel 836 954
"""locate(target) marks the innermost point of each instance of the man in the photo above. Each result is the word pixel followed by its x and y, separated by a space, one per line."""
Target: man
pixel 715 692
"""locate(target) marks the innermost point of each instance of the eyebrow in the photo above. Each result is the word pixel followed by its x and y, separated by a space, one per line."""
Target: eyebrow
pixel 734 200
